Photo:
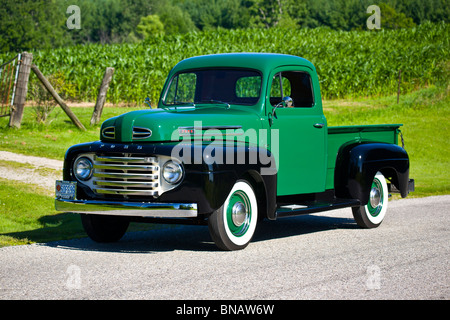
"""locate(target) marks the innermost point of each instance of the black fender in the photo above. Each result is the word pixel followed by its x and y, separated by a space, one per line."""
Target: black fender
pixel 357 164
pixel 210 172
pixel 219 168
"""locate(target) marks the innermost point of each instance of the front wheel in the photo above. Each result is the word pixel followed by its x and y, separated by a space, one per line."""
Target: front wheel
pixel 372 214
pixel 232 226
pixel 103 228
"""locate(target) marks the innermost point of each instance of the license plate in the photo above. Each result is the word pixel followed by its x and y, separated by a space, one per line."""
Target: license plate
pixel 66 190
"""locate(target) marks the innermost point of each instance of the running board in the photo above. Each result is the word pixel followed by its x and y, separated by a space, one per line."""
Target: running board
pixel 290 210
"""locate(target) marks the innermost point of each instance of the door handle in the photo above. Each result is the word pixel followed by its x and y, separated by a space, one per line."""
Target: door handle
pixel 319 125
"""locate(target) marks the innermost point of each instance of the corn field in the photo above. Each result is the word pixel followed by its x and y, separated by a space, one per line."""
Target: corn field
pixel 349 63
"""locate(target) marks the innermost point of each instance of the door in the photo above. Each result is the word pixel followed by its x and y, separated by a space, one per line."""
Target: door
pixel 302 130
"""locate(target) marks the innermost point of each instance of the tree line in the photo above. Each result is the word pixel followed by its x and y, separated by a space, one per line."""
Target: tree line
pixel 43 24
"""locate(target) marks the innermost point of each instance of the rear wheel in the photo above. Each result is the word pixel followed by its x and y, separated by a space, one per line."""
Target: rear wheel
pixel 372 214
pixel 232 226
pixel 103 228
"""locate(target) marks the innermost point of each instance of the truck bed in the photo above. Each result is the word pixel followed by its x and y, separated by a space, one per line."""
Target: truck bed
pixel 339 135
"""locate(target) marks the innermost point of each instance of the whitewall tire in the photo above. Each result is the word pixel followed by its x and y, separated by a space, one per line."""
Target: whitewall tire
pixel 233 225
pixel 372 214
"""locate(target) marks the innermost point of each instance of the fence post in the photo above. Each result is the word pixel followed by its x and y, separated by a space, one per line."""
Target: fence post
pixel 101 98
pixel 21 90
pixel 57 98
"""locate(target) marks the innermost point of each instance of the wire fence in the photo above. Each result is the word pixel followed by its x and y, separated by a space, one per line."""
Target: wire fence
pixel 9 72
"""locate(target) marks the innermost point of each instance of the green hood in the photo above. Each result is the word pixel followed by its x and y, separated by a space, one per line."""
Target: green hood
pixel 167 125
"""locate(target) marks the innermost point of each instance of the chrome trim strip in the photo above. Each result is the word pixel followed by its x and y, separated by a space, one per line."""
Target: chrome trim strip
pixel 109 133
pixel 131 209
pixel 125 167
pixel 198 131
pixel 126 159
pixel 127 192
pixel 143 176
pixel 125 183
pixel 210 127
pixel 141 133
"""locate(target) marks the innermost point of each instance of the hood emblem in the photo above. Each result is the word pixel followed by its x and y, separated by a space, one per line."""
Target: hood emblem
pixel 187 131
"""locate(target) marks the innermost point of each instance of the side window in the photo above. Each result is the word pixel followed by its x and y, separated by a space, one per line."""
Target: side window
pixel 279 89
pixel 182 89
pixel 295 84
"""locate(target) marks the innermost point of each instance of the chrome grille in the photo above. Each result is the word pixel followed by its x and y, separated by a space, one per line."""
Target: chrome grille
pixel 141 133
pixel 127 176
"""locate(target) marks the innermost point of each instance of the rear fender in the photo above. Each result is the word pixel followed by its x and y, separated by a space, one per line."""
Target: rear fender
pixel 357 164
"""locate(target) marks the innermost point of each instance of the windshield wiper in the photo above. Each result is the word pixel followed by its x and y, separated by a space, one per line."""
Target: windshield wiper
pixel 227 105
pixel 179 104
pixel 184 104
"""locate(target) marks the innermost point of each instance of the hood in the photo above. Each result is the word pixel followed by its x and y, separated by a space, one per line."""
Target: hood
pixel 171 125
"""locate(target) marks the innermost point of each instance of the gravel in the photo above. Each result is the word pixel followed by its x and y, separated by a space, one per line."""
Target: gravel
pixel 44 178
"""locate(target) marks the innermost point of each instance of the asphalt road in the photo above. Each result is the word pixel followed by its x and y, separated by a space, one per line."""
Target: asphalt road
pixel 322 256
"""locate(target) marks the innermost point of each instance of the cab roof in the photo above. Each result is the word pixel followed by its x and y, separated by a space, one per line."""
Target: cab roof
pixel 259 61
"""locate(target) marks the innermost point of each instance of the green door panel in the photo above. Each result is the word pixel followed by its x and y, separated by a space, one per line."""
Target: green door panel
pixel 302 133
pixel 302 160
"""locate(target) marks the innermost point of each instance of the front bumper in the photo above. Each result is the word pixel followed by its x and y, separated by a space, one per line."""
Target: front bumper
pixel 129 209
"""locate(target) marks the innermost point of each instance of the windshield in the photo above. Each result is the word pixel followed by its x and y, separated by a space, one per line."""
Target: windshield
pixel 218 86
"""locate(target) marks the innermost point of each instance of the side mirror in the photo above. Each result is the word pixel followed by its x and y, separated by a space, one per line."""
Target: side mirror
pixel 286 102
pixel 148 102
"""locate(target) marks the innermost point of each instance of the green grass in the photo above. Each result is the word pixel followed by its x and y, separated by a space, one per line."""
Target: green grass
pixel 54 139
pixel 27 215
pixel 425 116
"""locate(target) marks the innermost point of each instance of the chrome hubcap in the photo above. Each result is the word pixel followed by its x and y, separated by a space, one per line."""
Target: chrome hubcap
pixel 238 214
pixel 375 197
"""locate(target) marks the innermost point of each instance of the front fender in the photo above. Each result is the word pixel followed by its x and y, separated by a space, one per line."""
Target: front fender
pixel 216 168
pixel 210 171
pixel 357 164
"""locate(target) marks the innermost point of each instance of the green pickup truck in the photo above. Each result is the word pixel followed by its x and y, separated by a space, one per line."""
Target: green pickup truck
pixel 235 138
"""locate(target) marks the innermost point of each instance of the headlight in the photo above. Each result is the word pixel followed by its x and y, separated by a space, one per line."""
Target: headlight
pixel 172 172
pixel 83 168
